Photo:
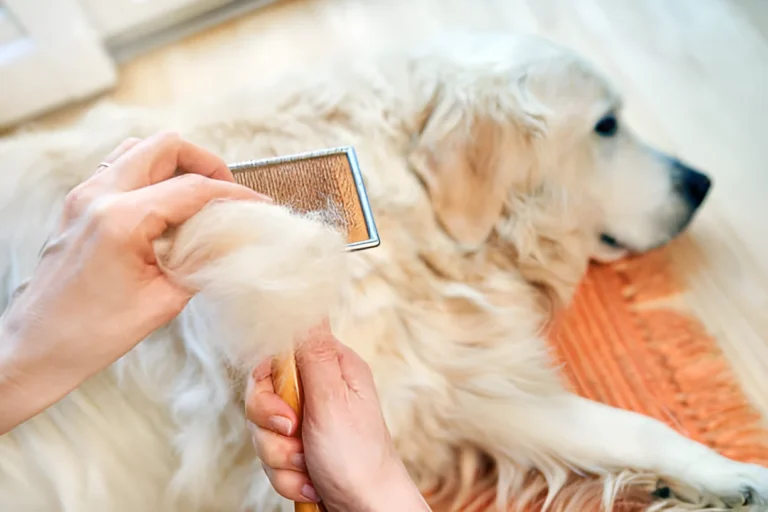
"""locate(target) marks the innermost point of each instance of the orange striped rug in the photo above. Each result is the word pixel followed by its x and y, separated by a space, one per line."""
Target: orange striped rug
pixel 627 341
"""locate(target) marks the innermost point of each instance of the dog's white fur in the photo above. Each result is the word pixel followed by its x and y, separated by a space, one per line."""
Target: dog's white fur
pixel 269 247
pixel 489 189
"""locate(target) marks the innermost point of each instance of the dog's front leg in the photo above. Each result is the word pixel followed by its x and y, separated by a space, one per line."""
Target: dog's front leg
pixel 599 439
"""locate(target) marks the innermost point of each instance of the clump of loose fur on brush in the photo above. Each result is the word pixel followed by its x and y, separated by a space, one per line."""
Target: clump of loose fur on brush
pixel 265 274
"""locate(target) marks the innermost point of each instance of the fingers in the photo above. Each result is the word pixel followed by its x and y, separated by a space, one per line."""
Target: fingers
pixel 279 452
pixel 120 150
pixel 317 359
pixel 137 163
pixel 82 195
pixel 264 408
pixel 162 156
pixel 329 368
pixel 292 485
pixel 111 158
pixel 173 201
pixel 356 373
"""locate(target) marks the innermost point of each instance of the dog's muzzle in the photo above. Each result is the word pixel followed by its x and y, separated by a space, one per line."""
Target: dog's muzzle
pixel 691 184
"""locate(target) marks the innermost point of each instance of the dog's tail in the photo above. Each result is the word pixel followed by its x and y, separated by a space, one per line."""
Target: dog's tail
pixel 264 273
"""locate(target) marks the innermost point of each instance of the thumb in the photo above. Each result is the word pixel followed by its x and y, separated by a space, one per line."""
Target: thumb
pixel 318 362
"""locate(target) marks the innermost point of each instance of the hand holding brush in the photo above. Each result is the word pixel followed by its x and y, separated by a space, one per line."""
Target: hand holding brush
pixel 340 450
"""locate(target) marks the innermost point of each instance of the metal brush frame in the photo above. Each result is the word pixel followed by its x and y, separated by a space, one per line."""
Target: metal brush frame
pixel 349 152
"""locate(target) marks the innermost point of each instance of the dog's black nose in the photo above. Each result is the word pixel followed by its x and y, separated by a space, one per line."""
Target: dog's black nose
pixel 693 184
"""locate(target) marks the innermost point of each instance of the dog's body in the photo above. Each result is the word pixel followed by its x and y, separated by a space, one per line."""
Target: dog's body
pixel 490 189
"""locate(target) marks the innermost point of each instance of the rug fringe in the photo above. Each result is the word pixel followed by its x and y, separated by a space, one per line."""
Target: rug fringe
pixel 619 345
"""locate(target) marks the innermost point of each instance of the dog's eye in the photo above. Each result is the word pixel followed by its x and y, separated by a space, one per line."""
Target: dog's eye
pixel 610 241
pixel 607 126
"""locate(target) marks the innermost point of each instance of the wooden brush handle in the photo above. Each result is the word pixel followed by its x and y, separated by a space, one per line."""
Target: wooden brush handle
pixel 285 378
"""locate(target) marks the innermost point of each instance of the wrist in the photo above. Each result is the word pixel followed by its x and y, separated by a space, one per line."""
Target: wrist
pixel 396 492
pixel 28 380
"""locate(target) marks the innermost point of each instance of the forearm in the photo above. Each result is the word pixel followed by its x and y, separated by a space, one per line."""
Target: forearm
pixel 29 382
pixel 402 498
pixel 405 498
pixel 399 493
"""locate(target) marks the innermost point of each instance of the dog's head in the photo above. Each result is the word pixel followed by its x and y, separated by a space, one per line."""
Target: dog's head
pixel 522 148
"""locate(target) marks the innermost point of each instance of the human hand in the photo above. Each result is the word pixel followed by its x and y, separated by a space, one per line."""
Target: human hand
pixel 345 454
pixel 97 289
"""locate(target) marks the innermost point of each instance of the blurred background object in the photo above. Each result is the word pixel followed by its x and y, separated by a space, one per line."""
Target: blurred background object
pixel 694 74
pixel 53 52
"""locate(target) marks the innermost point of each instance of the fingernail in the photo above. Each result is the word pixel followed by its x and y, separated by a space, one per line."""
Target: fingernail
pixel 310 493
pixel 299 462
pixel 281 425
pixel 262 370
pixel 265 198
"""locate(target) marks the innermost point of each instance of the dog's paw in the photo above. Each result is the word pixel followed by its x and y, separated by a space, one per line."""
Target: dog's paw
pixel 735 484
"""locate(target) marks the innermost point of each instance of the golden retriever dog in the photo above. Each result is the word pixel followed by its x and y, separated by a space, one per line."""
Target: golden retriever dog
pixel 497 167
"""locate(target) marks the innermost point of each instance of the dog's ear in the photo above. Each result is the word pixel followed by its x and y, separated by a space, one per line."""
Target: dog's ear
pixel 468 154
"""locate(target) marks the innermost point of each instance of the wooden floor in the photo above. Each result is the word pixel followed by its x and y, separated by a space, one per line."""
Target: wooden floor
pixel 694 74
